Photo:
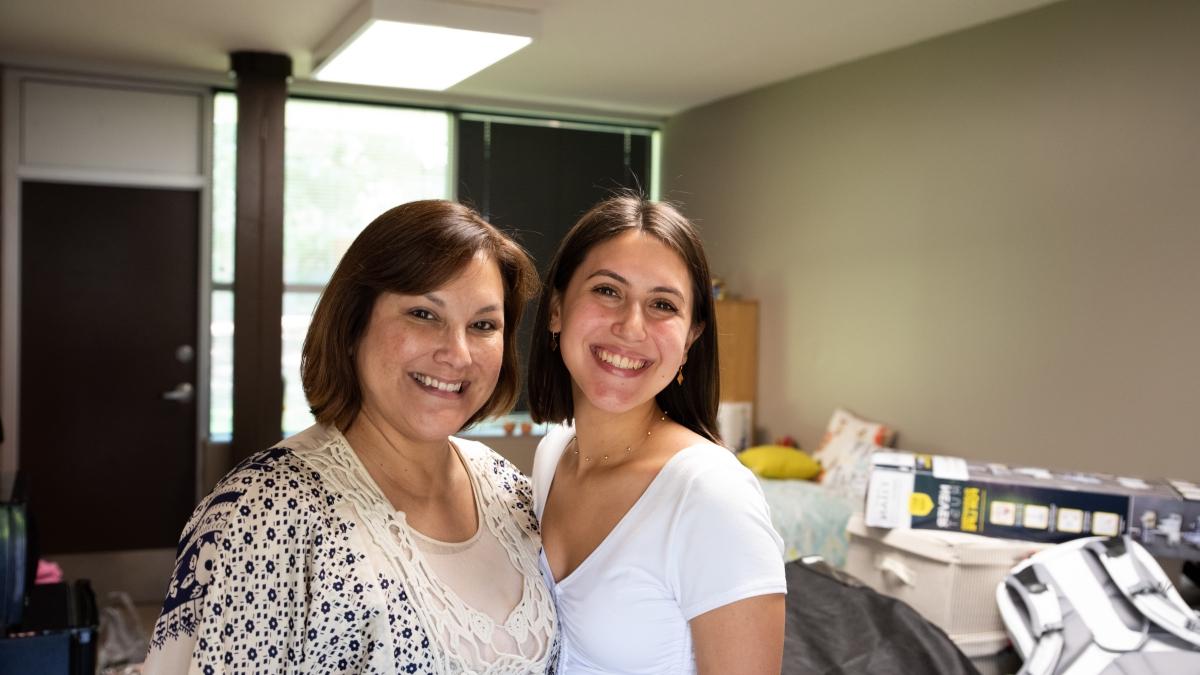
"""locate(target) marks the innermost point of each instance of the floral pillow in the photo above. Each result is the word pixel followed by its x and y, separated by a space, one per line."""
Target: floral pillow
pixel 849 476
pixel 845 429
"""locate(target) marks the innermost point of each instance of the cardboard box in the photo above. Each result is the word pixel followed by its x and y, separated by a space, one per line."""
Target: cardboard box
pixel 1031 504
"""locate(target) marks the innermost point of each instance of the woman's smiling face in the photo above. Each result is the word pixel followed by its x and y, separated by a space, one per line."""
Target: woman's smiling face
pixel 625 321
pixel 427 363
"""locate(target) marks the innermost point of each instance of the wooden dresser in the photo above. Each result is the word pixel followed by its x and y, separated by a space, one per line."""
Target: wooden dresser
pixel 737 347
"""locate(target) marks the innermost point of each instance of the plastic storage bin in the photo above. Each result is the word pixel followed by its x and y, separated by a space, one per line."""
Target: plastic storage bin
pixel 949 577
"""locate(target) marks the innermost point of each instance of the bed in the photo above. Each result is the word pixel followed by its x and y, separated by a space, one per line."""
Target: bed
pixel 810 518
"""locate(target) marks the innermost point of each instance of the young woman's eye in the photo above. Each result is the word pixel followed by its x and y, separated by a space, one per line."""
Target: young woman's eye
pixel 486 326
pixel 422 314
pixel 665 306
pixel 605 290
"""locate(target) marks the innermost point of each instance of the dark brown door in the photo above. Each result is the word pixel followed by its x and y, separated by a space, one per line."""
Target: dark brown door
pixel 108 318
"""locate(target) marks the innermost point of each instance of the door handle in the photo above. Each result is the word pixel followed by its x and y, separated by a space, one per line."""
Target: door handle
pixel 182 393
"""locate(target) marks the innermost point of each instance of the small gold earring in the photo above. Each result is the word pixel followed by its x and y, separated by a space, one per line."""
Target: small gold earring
pixel 679 377
pixel 553 341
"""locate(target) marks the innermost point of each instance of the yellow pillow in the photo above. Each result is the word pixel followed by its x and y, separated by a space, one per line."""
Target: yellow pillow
pixel 779 461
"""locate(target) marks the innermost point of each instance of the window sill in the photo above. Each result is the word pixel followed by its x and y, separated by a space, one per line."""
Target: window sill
pixel 514 425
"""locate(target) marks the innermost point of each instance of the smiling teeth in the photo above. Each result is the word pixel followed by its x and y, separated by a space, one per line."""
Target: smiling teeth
pixel 620 361
pixel 438 384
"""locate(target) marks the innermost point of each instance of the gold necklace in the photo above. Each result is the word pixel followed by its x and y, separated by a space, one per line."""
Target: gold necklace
pixel 628 448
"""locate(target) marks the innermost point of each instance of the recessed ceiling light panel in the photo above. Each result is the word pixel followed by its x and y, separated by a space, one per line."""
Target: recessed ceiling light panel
pixel 420 44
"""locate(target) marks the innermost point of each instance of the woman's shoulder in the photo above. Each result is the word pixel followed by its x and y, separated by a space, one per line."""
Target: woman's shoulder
pixel 492 467
pixel 556 438
pixel 550 449
pixel 701 456
pixel 260 504
pixel 703 467
pixel 720 500
pixel 286 458
pixel 504 482
pixel 278 472
pixel 481 455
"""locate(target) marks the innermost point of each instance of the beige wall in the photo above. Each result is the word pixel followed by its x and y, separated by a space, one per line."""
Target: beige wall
pixel 990 240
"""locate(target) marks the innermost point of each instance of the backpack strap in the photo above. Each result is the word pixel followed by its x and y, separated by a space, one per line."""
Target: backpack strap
pixel 1032 585
pixel 1147 594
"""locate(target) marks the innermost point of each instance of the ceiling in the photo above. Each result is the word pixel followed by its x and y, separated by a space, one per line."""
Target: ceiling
pixel 647 58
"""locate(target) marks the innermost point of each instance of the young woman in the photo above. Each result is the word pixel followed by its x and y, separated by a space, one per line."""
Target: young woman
pixel 657 542
pixel 376 541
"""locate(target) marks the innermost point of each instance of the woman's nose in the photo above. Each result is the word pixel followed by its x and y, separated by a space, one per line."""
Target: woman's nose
pixel 631 324
pixel 454 351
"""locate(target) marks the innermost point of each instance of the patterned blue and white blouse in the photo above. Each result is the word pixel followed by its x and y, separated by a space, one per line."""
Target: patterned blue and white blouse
pixel 297 563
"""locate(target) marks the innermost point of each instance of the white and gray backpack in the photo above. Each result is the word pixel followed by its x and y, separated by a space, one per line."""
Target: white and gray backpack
pixel 1098 606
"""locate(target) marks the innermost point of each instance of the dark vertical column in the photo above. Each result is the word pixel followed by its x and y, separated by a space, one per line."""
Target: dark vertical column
pixel 258 261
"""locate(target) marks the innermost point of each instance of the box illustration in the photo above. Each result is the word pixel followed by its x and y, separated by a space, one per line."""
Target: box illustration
pixel 908 490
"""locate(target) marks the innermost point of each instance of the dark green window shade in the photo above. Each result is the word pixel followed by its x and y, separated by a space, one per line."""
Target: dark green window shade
pixel 536 181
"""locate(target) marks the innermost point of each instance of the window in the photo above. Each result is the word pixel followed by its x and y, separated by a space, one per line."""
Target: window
pixel 346 163
pixel 224 159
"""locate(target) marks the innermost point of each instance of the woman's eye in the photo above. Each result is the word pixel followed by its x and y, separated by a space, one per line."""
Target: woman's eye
pixel 485 326
pixel 423 314
pixel 665 306
pixel 605 290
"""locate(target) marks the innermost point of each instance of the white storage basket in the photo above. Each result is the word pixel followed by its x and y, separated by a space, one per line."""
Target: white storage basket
pixel 949 577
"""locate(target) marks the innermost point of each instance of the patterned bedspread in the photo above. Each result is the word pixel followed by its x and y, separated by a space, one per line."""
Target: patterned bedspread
pixel 810 518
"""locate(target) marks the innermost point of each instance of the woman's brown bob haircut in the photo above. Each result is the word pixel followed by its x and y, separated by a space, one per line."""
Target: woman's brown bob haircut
pixel 694 403
pixel 411 249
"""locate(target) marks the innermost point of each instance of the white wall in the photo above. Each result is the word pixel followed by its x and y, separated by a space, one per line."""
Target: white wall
pixel 990 240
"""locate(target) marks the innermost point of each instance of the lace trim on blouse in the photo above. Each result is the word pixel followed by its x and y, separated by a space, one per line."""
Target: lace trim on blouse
pixel 450 621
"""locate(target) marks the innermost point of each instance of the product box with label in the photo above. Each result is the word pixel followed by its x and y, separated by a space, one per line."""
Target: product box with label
pixel 1032 504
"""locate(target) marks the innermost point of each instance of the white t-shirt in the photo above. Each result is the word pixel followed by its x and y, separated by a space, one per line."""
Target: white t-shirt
pixel 700 537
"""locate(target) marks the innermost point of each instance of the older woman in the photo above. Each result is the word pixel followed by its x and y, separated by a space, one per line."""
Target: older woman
pixel 658 543
pixel 376 541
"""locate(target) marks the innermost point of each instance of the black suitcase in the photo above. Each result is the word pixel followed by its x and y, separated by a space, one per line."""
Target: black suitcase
pixel 838 626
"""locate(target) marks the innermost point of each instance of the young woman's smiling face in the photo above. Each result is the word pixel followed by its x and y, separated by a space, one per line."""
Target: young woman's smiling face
pixel 427 363
pixel 625 322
